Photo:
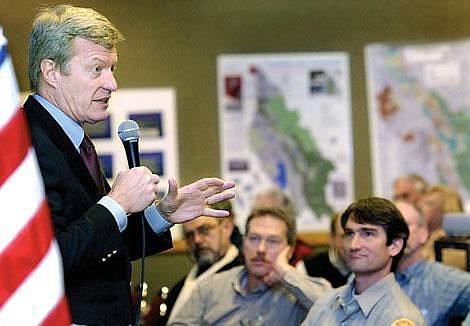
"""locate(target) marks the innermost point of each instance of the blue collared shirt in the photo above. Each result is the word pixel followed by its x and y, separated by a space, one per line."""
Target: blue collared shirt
pixel 383 303
pixel 76 133
pixel 439 291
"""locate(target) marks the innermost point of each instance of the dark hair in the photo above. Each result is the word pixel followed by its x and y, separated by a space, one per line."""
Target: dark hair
pixel 379 211
pixel 275 212
pixel 334 220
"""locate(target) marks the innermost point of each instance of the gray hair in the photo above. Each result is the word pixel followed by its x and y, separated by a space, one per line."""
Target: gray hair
pixel 280 197
pixel 418 182
pixel 54 30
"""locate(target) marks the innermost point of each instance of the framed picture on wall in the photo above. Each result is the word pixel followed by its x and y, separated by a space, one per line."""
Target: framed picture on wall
pixel 106 162
pixel 154 161
pixel 150 123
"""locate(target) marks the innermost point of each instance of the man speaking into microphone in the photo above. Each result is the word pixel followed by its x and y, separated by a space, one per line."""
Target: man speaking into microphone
pixel 72 55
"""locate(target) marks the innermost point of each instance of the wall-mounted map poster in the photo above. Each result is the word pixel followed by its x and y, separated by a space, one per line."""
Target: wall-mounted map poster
pixel 285 120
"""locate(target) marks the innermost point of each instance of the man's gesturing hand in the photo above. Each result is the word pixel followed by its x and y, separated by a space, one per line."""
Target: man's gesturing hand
pixel 188 202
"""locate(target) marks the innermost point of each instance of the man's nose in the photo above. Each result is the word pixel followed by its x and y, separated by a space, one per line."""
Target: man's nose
pixel 262 246
pixel 110 82
pixel 355 242
pixel 197 238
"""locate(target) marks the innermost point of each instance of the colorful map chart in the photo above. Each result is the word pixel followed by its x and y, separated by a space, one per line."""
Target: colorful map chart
pixel 285 121
pixel 419 108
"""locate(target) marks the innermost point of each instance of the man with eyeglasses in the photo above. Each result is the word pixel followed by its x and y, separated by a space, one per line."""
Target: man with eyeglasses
pixel 266 290
pixel 209 245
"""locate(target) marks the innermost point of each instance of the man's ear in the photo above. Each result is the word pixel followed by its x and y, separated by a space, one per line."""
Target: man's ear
pixel 228 226
pixel 423 234
pixel 291 252
pixel 395 247
pixel 50 72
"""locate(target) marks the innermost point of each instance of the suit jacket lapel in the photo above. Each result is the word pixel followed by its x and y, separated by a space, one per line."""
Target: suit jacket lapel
pixel 55 132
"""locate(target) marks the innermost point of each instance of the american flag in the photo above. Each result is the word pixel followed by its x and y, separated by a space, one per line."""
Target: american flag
pixel 31 279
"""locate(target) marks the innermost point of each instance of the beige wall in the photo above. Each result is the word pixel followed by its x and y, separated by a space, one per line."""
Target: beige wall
pixel 175 43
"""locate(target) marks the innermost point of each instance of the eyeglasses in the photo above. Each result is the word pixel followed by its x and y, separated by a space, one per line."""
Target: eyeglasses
pixel 255 240
pixel 203 231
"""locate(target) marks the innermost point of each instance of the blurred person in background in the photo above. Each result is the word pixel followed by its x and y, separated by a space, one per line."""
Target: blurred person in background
pixel 442 293
pixel 437 201
pixel 329 264
pixel 409 188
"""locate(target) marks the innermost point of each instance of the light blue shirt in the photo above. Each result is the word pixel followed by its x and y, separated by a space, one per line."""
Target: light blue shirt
pixel 439 291
pixel 76 133
pixel 383 303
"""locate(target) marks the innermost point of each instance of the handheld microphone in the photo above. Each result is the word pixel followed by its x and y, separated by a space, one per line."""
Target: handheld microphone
pixel 129 133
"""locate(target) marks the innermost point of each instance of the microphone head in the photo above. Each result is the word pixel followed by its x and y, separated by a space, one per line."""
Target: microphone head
pixel 128 130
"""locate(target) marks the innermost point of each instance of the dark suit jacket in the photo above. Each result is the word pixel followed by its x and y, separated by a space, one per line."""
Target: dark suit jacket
pixel 95 255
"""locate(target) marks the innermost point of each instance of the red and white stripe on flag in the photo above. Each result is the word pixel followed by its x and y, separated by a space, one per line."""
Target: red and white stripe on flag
pixel 31 279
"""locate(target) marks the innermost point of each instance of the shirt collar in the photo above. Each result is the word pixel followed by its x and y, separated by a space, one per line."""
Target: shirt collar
pixel 71 127
pixel 241 282
pixel 367 299
pixel 372 295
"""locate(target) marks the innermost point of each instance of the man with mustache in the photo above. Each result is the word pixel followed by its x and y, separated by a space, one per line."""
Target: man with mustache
pixel 209 245
pixel 266 290
pixel 375 236
pixel 275 197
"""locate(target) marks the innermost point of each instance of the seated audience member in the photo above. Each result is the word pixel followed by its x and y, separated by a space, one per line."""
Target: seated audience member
pixel 266 290
pixel 275 197
pixel 375 236
pixel 329 264
pixel 436 202
pixel 409 188
pixel 208 241
pixel 442 293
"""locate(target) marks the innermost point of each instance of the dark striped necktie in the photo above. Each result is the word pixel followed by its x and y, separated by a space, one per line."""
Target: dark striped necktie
pixel 89 156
